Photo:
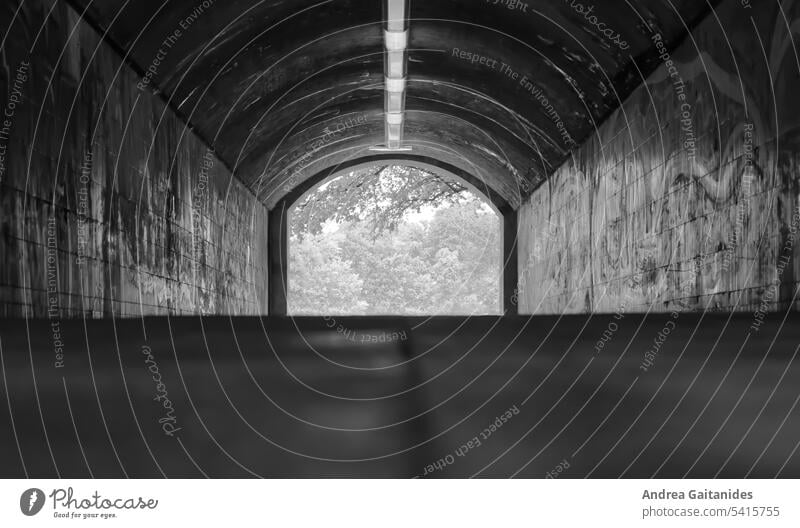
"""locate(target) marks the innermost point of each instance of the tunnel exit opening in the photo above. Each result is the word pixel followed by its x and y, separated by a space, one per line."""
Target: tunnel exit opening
pixel 392 237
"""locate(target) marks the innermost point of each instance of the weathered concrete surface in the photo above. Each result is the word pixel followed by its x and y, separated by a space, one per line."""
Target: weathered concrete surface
pixel 272 84
pixel 110 204
pixel 275 397
pixel 634 222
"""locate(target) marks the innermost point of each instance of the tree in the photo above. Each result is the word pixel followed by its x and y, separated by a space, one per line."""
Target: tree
pixel 445 260
pixel 320 281
pixel 381 195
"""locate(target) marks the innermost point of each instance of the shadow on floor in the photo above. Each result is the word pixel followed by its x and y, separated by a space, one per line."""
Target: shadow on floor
pixel 562 397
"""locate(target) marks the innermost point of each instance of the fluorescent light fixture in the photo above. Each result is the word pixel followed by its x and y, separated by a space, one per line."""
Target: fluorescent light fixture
pixel 394 135
pixel 396 15
pixel 394 118
pixel 394 85
pixel 395 131
pixel 395 64
pixel 394 102
pixel 395 40
pixel 401 148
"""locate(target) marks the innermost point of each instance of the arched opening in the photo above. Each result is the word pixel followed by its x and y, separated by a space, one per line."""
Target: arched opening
pixel 389 236
pixel 392 239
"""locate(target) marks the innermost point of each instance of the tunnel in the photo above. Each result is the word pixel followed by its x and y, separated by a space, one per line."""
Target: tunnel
pixel 641 158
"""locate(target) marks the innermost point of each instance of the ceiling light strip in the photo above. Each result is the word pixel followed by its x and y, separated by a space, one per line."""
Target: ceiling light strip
pixel 395 39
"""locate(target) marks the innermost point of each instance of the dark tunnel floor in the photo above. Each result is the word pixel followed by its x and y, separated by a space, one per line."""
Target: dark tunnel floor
pixel 396 397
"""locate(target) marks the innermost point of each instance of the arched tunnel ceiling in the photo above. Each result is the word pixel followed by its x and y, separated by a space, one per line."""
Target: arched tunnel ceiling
pixel 284 89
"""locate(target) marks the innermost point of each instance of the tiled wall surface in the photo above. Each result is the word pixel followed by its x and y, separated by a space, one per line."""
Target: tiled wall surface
pixel 110 205
pixel 687 196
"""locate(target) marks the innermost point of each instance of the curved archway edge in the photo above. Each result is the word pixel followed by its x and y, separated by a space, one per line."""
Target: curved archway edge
pixel 277 243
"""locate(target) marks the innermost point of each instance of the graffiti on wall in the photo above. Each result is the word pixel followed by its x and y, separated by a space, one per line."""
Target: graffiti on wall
pixel 691 185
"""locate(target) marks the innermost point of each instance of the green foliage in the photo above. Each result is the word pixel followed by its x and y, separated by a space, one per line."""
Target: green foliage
pixel 320 277
pixel 371 256
pixel 381 196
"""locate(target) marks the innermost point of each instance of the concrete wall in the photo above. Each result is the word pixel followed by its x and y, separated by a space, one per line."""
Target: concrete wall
pixel 110 205
pixel 686 198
